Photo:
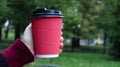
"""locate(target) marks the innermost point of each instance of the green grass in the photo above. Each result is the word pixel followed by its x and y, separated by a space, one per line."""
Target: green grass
pixel 68 59
pixel 6 42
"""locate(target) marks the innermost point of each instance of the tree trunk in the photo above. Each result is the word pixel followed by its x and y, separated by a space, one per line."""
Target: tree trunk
pixel 75 43
pixel 0 33
pixel 17 31
pixel 6 32
pixel 75 40
pixel 105 43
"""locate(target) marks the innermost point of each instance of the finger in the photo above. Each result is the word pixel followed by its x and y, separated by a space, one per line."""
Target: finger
pixel 61 33
pixel 61 39
pixel 29 25
pixel 61 45
pixel 61 50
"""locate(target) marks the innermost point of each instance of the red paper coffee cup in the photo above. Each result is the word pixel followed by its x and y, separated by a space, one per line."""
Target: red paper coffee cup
pixel 46 32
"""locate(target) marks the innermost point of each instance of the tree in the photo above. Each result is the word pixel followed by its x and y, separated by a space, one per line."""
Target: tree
pixel 72 24
pixel 88 10
pixel 3 14
pixel 83 13
pixel 20 14
pixel 106 21
pixel 115 49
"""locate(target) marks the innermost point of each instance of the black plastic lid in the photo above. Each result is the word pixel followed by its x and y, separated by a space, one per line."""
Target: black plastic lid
pixel 46 13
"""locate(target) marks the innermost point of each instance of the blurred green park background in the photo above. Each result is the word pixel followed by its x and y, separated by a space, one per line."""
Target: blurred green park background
pixel 91 30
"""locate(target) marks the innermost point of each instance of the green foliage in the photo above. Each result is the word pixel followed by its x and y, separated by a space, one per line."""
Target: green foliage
pixel 89 12
pixel 4 10
pixel 106 19
pixel 115 49
pixel 20 11
pixel 82 13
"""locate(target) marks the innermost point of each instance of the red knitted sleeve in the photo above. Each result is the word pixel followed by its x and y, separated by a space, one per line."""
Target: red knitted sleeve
pixel 17 54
